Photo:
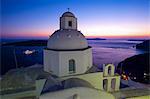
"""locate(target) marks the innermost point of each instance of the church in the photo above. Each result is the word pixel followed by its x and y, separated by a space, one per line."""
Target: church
pixel 69 57
pixel 68 72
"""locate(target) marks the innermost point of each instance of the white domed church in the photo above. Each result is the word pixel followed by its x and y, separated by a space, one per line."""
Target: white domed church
pixel 69 57
pixel 67 51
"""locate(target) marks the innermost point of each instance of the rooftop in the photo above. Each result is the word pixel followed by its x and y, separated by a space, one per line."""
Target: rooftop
pixel 23 79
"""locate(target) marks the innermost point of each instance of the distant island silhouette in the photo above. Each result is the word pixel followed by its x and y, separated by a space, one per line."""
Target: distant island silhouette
pixel 96 39
pixel 136 39
pixel 27 43
pixel 37 42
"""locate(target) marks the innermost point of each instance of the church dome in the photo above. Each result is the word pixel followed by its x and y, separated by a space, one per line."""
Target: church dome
pixel 68 14
pixel 67 40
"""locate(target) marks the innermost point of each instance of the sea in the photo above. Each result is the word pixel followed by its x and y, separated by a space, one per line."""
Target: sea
pixel 104 52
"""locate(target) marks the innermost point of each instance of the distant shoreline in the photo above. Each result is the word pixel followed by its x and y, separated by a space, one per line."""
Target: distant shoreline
pixel 136 40
pixel 35 42
pixel 96 39
pixel 27 43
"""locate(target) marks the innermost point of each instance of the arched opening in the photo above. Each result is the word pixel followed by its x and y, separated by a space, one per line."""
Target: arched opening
pixel 72 66
pixel 109 70
pixel 75 82
pixel 113 83
pixel 105 84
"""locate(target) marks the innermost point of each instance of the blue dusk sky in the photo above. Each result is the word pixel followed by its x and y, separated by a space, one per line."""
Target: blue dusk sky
pixel 96 18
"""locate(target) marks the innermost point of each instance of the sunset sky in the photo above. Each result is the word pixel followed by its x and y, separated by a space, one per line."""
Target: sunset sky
pixel 96 18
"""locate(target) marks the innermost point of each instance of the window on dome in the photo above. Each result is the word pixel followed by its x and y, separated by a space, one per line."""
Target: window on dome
pixel 72 66
pixel 70 23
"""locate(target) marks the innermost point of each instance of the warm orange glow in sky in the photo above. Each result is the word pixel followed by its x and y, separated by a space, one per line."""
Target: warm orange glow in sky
pixel 96 18
pixel 113 30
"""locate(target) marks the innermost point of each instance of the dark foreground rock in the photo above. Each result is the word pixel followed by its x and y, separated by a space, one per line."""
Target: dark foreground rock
pixel 136 67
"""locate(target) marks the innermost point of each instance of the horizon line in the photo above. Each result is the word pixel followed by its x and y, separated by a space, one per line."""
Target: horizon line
pixel 103 37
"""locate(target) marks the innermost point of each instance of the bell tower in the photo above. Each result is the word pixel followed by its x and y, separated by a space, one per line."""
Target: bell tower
pixel 111 81
pixel 68 21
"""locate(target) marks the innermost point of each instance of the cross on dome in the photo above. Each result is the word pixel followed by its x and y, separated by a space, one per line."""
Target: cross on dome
pixel 68 9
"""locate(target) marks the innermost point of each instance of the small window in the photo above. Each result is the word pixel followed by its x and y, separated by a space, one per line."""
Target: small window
pixel 70 23
pixel 71 66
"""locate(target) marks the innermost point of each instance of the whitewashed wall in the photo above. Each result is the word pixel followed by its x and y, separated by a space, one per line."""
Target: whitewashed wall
pixel 57 62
